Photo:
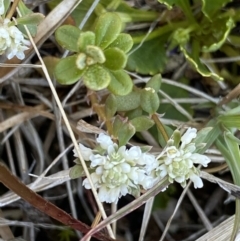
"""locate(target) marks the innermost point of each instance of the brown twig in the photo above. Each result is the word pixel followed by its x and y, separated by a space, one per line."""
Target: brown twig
pixel 230 96
pixel 12 182
pixel 12 9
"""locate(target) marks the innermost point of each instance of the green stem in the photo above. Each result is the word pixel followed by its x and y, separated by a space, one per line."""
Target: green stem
pixel 160 127
pixel 160 31
pixel 12 182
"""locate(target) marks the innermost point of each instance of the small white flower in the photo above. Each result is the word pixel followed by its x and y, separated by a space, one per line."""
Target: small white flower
pixel 5 40
pixel 177 162
pixel 104 141
pixel 119 171
pixel 2 9
pixel 197 181
pixel 86 152
pixel 12 41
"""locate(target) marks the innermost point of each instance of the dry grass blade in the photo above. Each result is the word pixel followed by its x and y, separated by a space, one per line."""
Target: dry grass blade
pixel 43 184
pixel 5 231
pixel 228 187
pixel 45 29
pixel 220 233
pixel 146 216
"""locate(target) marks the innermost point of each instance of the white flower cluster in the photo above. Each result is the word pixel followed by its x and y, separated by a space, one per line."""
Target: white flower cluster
pixel 117 171
pixel 12 41
pixel 177 162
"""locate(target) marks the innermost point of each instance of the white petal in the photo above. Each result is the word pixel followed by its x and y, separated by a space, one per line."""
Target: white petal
pixel 147 159
pixel 190 134
pixel 104 140
pixel 134 153
pixel 197 181
pixel 95 179
pixel 97 160
pixel 179 179
pixel 108 195
pixel 99 170
pixel 200 159
pixel 148 182
pixel 168 160
pixel 172 152
pixel 125 167
pixel 2 10
pixel 85 151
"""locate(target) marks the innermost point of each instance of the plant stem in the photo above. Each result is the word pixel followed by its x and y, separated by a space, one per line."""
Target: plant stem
pixel 160 127
pixel 12 182
pixel 160 31
pixel 12 9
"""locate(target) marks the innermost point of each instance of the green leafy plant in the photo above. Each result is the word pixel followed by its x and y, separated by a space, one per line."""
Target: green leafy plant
pixel 100 55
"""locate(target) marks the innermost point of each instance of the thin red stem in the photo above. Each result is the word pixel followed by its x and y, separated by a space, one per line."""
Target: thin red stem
pixel 12 182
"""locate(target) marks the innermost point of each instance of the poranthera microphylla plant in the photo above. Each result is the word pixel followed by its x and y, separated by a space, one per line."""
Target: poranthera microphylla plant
pixel 99 57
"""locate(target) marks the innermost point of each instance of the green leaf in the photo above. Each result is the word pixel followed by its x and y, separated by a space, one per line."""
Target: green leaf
pixel 96 77
pixel 66 71
pixel 96 55
pixel 210 10
pixel 211 135
pixel 149 100
pixel 110 106
pixel 67 36
pixel 81 61
pixel 123 130
pixel 121 83
pixel 128 102
pixel 115 59
pixel 155 82
pixel 76 172
pixel 107 29
pixel 194 59
pixel 230 121
pixel 24 10
pixel 124 42
pixel 134 113
pixel 85 39
pixel 30 19
pixel 142 123
pixel 150 58
pixel 223 31
pixel 160 137
pixel 6 4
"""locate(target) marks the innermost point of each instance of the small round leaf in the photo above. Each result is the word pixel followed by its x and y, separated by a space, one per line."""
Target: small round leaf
pixel 128 102
pixel 67 36
pixel 96 77
pixel 123 130
pixel 115 59
pixel 66 71
pixel 76 172
pixel 85 39
pixel 96 54
pixel 149 100
pixel 107 28
pixel 110 106
pixel 124 42
pixel 81 61
pixel 142 123
pixel 121 83
pixel 155 82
